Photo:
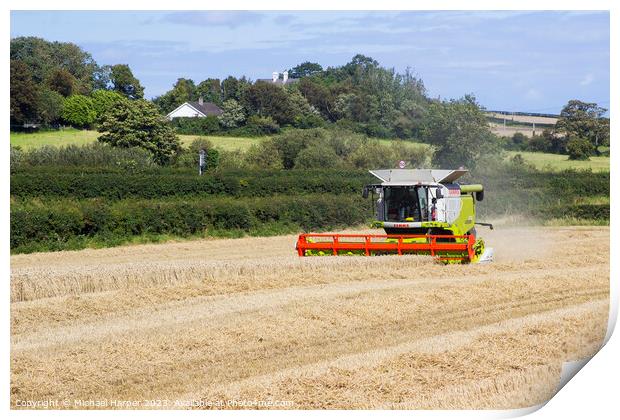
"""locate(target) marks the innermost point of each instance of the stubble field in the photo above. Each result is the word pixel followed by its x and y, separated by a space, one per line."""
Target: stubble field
pixel 245 323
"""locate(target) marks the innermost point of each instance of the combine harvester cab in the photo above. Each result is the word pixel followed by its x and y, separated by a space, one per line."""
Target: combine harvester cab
pixel 423 212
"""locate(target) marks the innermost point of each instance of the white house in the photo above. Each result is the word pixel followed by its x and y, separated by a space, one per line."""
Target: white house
pixel 195 109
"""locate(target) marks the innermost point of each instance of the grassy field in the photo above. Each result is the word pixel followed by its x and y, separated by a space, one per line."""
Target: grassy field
pixel 81 137
pixel 53 138
pixel 560 162
pixel 225 143
pixel 248 320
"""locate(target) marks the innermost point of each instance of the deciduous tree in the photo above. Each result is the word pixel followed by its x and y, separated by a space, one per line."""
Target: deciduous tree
pixel 305 69
pixel 63 82
pixel 266 99
pixel 51 106
pixel 233 114
pixel 139 124
pixel 124 82
pixel 105 100
pixel 460 133
pixel 24 98
pixel 79 111
pixel 585 121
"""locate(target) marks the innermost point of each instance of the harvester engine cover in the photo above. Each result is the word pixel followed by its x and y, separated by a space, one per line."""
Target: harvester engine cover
pixel 422 211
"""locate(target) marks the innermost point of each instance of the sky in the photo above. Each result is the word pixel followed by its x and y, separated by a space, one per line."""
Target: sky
pixel 510 60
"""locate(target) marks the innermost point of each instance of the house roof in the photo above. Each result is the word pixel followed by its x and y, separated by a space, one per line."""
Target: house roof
pixel 207 108
pixel 279 81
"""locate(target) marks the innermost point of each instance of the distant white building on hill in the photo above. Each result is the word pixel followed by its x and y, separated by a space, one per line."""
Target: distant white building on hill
pixel 277 80
pixel 197 109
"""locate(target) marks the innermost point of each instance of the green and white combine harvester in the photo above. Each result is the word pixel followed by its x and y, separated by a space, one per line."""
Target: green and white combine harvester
pixel 423 212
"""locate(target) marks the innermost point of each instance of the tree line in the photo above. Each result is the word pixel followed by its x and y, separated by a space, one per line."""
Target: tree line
pixel 55 82
pixel 58 82
pixel 581 131
pixel 360 95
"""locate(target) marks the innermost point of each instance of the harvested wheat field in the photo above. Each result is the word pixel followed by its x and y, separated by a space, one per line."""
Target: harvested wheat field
pixel 245 323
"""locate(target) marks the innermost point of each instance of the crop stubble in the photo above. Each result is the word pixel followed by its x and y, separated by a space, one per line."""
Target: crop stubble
pixel 246 319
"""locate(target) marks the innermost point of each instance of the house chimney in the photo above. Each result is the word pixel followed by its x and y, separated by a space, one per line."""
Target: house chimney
pixel 200 101
pixel 284 77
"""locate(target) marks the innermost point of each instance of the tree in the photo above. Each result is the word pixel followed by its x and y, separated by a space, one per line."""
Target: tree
pixel 267 99
pixel 233 114
pixel 44 57
pixel 184 90
pixel 23 94
pixel 409 118
pixel 519 141
pixel 601 134
pixel 63 82
pixel 585 121
pixel 51 106
pixel 139 124
pixel 230 89
pixel 210 90
pixel 289 144
pixel 460 133
pixel 305 115
pixel 263 155
pixel 262 126
pixel 102 78
pixel 579 149
pixel 373 99
pixel 124 82
pixel 105 100
pixel 304 70
pixel 539 144
pixel 315 156
pixel 321 97
pixel 79 111
pixel 360 62
pixel 234 88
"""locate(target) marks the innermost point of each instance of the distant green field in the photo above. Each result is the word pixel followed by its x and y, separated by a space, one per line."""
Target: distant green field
pixel 81 137
pixel 549 161
pixel 545 161
pixel 224 143
pixel 53 138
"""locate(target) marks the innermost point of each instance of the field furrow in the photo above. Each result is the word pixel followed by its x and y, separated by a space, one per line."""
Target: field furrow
pixel 221 320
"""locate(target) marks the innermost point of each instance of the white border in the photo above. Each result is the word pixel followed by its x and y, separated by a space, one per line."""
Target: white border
pixel 592 393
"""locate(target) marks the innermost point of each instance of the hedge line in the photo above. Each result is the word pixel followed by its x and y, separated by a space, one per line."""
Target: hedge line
pixel 53 223
pixel 578 211
pixel 507 189
pixel 522 191
pixel 50 209
pixel 119 186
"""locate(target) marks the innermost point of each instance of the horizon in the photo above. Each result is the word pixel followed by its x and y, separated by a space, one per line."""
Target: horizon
pixel 562 55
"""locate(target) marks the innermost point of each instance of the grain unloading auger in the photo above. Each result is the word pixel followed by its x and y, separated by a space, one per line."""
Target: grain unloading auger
pixel 423 212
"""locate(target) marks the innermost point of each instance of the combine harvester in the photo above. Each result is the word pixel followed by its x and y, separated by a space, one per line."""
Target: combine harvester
pixel 423 212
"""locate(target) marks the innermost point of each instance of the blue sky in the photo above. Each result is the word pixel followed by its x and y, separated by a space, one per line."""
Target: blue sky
pixel 511 60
